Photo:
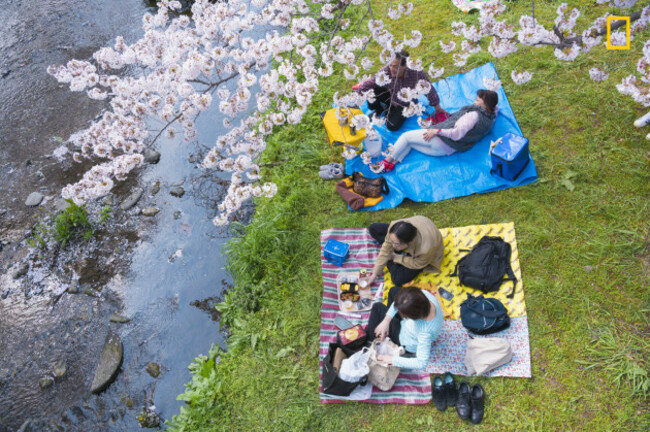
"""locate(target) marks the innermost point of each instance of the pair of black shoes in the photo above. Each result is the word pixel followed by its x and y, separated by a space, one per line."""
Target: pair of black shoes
pixel 469 402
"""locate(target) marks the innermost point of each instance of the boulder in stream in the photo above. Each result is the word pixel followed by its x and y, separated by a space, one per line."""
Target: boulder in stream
pixel 21 270
pixel 116 318
pixel 60 369
pixel 151 156
pixel 150 211
pixel 178 191
pixel 132 199
pixel 46 382
pixel 34 199
pixel 153 369
pixel 109 363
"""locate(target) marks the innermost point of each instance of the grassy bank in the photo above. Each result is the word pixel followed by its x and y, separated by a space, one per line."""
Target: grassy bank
pixel 582 232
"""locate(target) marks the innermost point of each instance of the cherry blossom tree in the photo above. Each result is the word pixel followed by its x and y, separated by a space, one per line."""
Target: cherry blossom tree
pixel 262 61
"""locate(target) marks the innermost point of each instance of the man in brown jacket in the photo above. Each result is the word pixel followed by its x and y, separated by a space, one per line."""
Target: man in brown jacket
pixel 409 246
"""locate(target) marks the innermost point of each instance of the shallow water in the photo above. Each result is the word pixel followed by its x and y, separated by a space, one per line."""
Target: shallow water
pixel 176 270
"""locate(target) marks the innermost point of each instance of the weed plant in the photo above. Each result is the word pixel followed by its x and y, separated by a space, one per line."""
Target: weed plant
pixel 70 224
pixel 582 232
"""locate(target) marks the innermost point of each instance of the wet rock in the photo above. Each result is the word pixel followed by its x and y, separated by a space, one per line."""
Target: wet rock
pixel 177 214
pixel 61 205
pixel 119 319
pixel 151 156
pixel 155 188
pixel 153 369
pixel 46 382
pixel 109 363
pixel 21 270
pixel 60 369
pixel 150 211
pixel 177 192
pixel 74 287
pixel 132 199
pixel 34 199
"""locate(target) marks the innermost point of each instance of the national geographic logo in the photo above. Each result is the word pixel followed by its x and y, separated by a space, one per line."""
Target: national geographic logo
pixel 609 32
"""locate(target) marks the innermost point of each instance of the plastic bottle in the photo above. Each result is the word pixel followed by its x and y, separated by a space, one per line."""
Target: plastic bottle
pixel 642 121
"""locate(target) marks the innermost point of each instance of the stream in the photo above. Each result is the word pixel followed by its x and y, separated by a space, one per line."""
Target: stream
pixel 163 273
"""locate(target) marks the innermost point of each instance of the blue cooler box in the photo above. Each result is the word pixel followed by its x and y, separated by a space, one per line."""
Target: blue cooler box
pixel 336 252
pixel 510 156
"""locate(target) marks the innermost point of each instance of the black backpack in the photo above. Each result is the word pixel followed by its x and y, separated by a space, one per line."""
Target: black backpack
pixel 485 267
pixel 482 315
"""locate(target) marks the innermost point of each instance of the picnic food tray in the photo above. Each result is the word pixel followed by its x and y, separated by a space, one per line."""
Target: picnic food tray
pixel 365 301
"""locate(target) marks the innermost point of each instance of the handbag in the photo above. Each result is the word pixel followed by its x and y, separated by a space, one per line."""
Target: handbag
pixel 381 375
pixel 484 354
pixel 332 384
pixel 370 188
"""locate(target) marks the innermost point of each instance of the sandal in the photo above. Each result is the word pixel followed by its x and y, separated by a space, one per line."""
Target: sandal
pixel 382 167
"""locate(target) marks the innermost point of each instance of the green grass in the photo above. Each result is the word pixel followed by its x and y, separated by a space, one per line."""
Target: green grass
pixel 582 232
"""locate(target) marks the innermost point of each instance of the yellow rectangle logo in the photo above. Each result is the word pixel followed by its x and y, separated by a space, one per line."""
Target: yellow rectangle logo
pixel 609 32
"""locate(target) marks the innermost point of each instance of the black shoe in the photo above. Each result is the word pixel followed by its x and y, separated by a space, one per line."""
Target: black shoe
pixel 439 394
pixel 477 401
pixel 450 389
pixel 463 407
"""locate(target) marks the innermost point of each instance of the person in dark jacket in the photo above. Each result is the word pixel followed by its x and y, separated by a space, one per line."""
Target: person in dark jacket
pixel 458 133
pixel 400 76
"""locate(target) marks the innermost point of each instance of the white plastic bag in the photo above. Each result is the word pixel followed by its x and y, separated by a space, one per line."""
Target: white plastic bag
pixel 355 367
pixel 373 143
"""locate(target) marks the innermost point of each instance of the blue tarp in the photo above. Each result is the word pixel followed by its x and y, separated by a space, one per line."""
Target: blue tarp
pixel 425 178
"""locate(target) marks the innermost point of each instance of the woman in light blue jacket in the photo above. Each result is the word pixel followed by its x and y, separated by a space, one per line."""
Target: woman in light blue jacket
pixel 412 319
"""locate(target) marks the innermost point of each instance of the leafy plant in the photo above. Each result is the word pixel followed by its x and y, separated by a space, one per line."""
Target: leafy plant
pixel 104 215
pixel 69 224
pixel 72 223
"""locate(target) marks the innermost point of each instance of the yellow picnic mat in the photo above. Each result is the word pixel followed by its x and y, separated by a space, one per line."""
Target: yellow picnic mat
pixel 454 240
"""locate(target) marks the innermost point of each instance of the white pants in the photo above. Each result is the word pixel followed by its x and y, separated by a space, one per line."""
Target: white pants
pixel 414 140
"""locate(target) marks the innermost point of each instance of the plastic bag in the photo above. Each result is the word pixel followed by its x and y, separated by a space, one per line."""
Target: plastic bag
pixel 355 367
pixel 382 375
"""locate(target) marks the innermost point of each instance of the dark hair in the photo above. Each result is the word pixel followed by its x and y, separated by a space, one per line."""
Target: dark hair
pixel 402 56
pixel 490 98
pixel 411 303
pixel 404 231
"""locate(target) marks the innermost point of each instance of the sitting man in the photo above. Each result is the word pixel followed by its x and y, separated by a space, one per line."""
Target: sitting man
pixel 400 76
pixel 409 246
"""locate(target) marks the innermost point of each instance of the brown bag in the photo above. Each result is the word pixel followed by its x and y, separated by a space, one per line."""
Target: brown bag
pixel 370 188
